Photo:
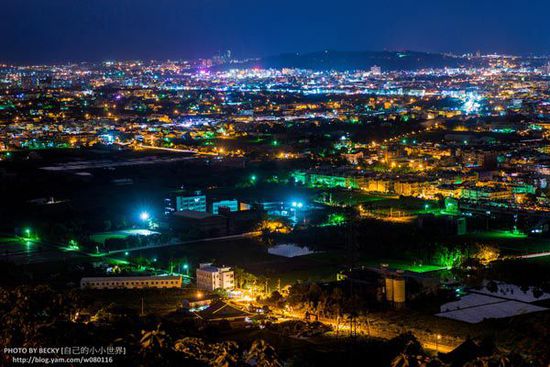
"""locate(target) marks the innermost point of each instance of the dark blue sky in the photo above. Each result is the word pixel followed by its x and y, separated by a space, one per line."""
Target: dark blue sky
pixel 34 31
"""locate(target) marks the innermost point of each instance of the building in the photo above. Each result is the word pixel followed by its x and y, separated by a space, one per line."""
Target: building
pixel 443 224
pixel 376 70
pixel 211 277
pixel 198 302
pixel 182 200
pixel 131 282
pixel 196 202
pixel 328 180
pixel 478 193
pixel 376 185
pixel 232 205
pixel 220 311
pixel 410 188
pixel 196 224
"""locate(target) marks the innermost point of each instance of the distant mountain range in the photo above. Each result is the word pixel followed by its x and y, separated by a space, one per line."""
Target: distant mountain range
pixel 361 60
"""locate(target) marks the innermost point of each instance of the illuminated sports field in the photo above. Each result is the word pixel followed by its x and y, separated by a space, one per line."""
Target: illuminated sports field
pixel 408 266
pixel 500 235
pixel 512 242
pixel 122 234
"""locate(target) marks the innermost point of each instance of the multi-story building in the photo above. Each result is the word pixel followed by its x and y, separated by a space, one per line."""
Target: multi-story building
pixel 195 202
pixel 131 282
pixel 210 277
pixel 233 205
pixel 486 193
pixel 376 185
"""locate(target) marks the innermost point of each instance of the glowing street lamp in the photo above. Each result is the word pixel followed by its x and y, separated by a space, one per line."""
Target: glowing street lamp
pixel 144 216
pixel 437 339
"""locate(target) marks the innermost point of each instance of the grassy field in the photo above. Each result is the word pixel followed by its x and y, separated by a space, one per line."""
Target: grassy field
pixel 510 242
pixel 123 234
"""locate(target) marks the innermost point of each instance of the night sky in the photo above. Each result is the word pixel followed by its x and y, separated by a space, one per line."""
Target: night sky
pixel 36 31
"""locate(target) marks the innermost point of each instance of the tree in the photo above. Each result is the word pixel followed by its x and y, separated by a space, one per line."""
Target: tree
pixel 402 360
pixel 486 254
pixel 153 340
pixel 243 279
pixel 262 354
pixel 27 312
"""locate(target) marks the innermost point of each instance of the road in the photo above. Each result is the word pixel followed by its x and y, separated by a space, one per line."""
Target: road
pixel 375 328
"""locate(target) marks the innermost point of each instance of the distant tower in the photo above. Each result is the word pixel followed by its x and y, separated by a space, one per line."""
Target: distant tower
pixel 376 70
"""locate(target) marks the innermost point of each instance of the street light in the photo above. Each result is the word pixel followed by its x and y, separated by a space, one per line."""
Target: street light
pixel 186 267
pixel 144 216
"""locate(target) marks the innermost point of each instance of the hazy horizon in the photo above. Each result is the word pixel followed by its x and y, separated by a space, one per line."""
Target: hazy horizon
pixel 59 31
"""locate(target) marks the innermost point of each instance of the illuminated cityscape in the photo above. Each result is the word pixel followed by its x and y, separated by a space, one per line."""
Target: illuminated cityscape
pixel 314 208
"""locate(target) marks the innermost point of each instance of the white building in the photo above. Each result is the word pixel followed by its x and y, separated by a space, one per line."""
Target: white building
pixel 131 282
pixel 210 277
pixel 196 202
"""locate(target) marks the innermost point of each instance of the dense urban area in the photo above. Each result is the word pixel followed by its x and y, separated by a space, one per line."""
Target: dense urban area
pixel 302 210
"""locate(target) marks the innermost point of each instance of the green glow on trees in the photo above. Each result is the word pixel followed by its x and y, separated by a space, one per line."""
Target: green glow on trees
pixel 336 219
pixel 73 245
pixel 448 258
